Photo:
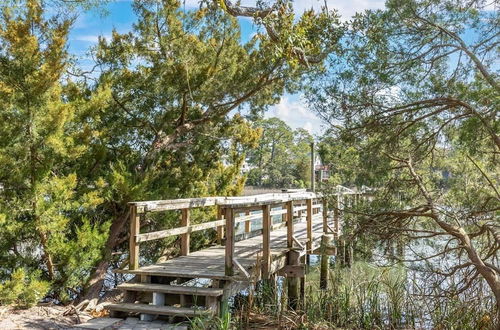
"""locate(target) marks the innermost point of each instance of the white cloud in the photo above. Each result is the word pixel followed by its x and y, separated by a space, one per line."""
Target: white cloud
pixel 346 8
pixel 87 38
pixel 294 112
pixel 91 38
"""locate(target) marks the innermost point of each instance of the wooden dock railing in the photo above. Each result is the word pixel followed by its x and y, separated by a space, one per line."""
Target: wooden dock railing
pixel 230 212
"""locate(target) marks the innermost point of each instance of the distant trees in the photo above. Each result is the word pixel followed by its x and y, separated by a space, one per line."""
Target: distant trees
pixel 416 94
pixel 282 157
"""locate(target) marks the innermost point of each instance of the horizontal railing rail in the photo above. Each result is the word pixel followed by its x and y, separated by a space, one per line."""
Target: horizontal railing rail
pixel 232 211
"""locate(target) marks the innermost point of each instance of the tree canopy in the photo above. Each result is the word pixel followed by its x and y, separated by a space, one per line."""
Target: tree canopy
pixel 414 95
pixel 283 157
pixel 162 115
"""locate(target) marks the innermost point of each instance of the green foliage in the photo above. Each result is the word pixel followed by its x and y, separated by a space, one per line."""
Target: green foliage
pixel 416 95
pixel 41 202
pixel 157 122
pixel 282 158
pixel 23 290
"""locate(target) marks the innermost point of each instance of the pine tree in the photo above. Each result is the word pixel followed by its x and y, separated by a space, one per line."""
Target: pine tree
pixel 41 224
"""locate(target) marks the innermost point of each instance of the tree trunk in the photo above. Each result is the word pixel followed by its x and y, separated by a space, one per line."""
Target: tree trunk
pixel 95 283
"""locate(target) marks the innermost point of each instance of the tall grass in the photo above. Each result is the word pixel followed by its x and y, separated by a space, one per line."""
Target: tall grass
pixel 360 297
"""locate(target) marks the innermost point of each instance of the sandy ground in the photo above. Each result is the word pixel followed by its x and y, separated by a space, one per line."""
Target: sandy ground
pixel 58 317
pixel 40 317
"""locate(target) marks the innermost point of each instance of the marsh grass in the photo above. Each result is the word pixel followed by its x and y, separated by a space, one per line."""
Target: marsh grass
pixel 361 297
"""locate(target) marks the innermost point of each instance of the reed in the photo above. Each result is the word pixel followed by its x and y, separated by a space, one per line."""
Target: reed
pixel 361 297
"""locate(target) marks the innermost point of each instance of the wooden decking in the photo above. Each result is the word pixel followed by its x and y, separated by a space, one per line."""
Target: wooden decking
pixel 210 262
pixel 278 230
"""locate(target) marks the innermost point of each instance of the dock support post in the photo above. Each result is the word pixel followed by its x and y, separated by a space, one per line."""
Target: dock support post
pixel 266 237
pixel 229 269
pixel 309 242
pixel 293 282
pixel 292 259
pixel 134 231
pixel 336 217
pixel 185 238
pixel 326 247
pixel 325 215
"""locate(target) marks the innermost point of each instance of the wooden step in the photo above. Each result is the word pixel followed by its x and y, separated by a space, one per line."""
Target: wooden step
pixel 174 289
pixel 157 310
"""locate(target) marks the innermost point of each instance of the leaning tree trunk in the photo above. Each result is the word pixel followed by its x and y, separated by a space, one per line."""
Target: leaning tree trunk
pixel 96 281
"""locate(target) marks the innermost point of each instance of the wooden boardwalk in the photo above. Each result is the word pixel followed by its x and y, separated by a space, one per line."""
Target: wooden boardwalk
pixel 210 262
pixel 265 248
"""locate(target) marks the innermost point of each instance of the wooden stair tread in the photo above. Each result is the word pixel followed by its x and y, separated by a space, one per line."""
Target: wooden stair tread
pixel 175 289
pixel 157 310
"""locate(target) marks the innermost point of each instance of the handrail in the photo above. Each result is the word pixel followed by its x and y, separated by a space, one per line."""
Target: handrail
pixel 228 207
pixel 234 202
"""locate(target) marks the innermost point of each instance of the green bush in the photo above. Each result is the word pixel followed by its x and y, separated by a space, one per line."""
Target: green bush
pixel 23 290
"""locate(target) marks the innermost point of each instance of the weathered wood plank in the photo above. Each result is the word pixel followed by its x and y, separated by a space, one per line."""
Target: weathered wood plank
pixel 325 215
pixel 266 240
pixel 248 217
pixel 134 231
pixel 248 223
pixel 210 262
pixel 156 310
pixel 309 219
pixel 289 224
pixel 229 255
pixel 220 229
pixel 185 238
pixel 178 231
pixel 174 289
pixel 278 212
pixel 175 204
pixel 241 268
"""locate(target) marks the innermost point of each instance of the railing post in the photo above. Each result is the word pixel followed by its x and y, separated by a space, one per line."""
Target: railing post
pixel 220 229
pixel 325 215
pixel 289 224
pixel 309 203
pixel 185 238
pixel 248 224
pixel 293 258
pixel 266 237
pixel 229 213
pixel 336 216
pixel 134 231
pixel 283 216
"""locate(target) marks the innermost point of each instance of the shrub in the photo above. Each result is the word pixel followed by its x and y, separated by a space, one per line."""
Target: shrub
pixel 23 290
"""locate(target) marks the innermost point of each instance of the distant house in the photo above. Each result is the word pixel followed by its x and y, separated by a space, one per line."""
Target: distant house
pixel 246 167
pixel 321 172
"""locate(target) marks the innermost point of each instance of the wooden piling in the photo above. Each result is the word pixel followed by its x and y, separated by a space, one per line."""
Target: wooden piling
pixel 266 237
pixel 336 218
pixel 326 246
pixel 293 282
pixel 229 267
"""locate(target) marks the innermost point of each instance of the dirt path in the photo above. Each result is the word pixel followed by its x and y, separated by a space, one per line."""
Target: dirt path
pixel 39 317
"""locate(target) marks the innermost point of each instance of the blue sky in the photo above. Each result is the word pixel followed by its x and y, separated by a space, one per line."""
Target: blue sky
pixel 292 108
